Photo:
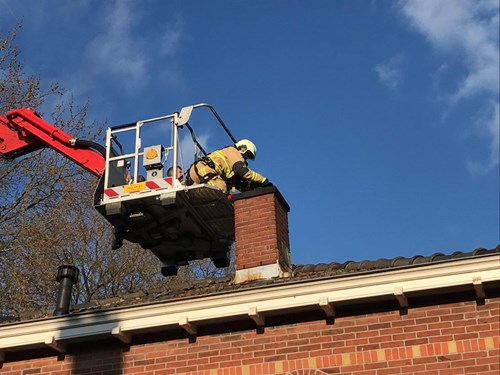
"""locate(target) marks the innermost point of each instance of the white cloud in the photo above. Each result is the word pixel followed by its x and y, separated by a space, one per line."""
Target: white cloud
pixel 121 51
pixel 468 30
pixel 389 72
pixel 169 41
pixel 115 51
pixel 488 127
pixel 469 27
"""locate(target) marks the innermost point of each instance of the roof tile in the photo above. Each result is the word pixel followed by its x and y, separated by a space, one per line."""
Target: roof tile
pixel 226 284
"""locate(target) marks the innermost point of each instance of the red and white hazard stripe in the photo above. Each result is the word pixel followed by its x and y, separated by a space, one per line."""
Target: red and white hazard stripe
pixel 140 187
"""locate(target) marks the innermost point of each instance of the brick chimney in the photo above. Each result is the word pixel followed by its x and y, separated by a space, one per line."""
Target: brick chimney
pixel 261 233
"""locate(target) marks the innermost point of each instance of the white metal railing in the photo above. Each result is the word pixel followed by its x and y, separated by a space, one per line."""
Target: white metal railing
pixel 137 153
pixel 176 120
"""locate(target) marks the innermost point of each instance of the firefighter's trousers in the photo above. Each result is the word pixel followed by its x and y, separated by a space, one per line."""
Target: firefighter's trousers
pixel 198 171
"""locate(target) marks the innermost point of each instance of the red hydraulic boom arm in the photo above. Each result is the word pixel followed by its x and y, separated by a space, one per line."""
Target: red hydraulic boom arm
pixel 177 222
pixel 23 131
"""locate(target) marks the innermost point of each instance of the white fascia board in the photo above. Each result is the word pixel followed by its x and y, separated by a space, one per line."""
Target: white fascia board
pixel 276 298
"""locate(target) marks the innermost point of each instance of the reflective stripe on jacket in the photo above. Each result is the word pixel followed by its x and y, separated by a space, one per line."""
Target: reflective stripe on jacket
pixel 224 160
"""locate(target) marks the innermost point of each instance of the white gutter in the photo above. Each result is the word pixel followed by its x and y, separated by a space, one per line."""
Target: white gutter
pixel 252 303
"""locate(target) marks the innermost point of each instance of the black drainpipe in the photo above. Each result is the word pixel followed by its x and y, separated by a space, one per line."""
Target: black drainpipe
pixel 66 277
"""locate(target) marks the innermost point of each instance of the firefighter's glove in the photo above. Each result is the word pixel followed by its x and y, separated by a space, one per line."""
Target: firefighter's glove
pixel 267 183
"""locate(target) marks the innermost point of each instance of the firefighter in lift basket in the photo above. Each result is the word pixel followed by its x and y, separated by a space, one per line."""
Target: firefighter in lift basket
pixel 227 168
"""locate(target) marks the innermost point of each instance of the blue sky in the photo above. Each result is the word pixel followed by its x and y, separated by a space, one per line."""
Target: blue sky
pixel 377 120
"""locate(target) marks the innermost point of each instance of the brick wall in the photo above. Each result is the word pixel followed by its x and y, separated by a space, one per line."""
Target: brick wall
pixel 457 338
pixel 261 229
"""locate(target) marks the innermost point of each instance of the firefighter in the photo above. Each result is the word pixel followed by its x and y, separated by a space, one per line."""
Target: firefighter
pixel 180 174
pixel 227 168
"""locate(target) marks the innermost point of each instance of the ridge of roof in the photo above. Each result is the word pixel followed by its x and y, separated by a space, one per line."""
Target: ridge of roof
pixel 385 263
pixel 300 273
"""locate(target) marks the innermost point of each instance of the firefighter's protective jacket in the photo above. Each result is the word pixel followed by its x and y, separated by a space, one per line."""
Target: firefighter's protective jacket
pixel 226 164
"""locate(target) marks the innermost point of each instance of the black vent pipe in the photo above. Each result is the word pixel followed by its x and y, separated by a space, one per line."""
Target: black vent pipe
pixel 66 277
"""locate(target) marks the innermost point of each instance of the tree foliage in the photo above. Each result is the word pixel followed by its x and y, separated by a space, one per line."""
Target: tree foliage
pixel 47 218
